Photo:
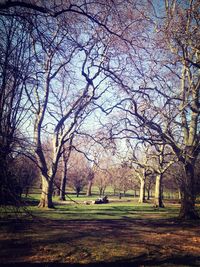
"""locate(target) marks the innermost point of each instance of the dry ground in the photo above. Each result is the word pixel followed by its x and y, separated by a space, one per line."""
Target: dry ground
pixel 128 242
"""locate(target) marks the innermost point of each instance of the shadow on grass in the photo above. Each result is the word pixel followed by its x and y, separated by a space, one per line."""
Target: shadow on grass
pixel 139 261
pixel 29 201
pixel 68 232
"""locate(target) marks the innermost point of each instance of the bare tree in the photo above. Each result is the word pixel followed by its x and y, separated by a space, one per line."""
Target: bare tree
pixel 102 180
pixel 15 69
pixel 150 63
pixel 90 181
pixel 120 178
pixel 161 89
pixel 26 173
pixel 149 186
pixel 67 90
pixel 141 164
pixel 78 171
pixel 163 159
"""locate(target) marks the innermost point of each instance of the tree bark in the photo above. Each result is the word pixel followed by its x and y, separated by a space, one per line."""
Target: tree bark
pixel 77 192
pixel 179 194
pixel 187 210
pixel 89 189
pixel 142 191
pixel 148 194
pixel 158 202
pixel 100 192
pixel 47 192
pixel 63 183
pixel 66 155
pixel 103 191
pixel 62 188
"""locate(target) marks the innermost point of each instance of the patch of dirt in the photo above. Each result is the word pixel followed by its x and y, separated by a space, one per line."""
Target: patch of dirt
pixel 142 241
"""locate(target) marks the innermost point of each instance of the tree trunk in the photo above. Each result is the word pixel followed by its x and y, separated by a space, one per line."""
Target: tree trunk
pixel 63 186
pixel 114 191
pixel 89 189
pixel 78 190
pixel 158 202
pixel 179 194
pixel 100 192
pixel 187 210
pixel 142 191
pixel 103 192
pixel 135 193
pixel 47 192
pixel 26 191
pixel 148 194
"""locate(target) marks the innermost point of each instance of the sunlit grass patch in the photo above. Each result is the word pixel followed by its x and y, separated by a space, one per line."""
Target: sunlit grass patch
pixel 125 208
pixel 118 210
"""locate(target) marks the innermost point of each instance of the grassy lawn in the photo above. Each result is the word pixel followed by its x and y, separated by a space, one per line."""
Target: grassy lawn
pixel 125 208
pixel 120 233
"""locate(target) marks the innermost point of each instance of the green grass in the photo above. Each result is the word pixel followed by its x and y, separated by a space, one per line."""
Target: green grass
pixel 126 208
pixel 109 212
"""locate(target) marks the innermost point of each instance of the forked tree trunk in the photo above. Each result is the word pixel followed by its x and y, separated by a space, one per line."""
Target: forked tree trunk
pixel 187 210
pixel 47 193
pixel 158 201
pixel 89 189
pixel 142 191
